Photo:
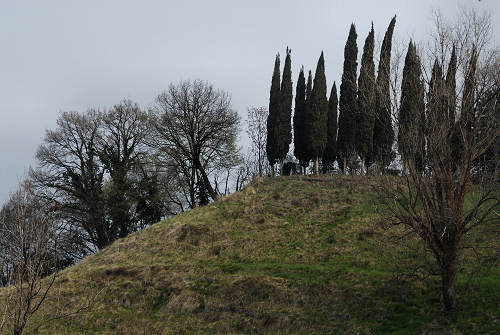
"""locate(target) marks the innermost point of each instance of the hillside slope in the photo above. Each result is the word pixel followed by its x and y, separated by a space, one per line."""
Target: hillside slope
pixel 291 255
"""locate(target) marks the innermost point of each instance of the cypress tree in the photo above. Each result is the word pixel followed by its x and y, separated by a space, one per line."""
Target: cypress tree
pixel 285 128
pixel 273 117
pixel 486 166
pixel 330 151
pixel 462 130
pixel 451 86
pixel 298 120
pixel 411 140
pixel 366 101
pixel 451 101
pixel 437 110
pixel 468 97
pixel 383 133
pixel 317 116
pixel 421 153
pixel 307 120
pixel 437 116
pixel 309 87
pixel 347 103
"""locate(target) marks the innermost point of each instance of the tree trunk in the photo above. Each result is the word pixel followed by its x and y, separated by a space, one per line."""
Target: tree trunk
pixel 206 181
pixel 208 185
pixel 192 187
pixel 344 168
pixel 363 166
pixel 448 281
pixel 281 167
pixel 316 166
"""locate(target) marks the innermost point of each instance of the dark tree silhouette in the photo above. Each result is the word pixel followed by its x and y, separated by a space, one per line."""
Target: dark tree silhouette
pixel 347 104
pixel 195 123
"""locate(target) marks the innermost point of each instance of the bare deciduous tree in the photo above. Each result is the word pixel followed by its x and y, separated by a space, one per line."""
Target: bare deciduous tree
pixel 92 167
pixel 441 205
pixel 196 128
pixel 28 240
pixel 71 174
pixel 257 132
pixel 122 150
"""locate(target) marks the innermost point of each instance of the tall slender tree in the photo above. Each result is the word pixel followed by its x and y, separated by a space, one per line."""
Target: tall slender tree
pixel 317 116
pixel 299 121
pixel 468 98
pixel 467 116
pixel 307 119
pixel 465 124
pixel 436 99
pixel 347 103
pixel 411 140
pixel 285 115
pixel 273 117
pixel 451 86
pixel 366 100
pixel 383 133
pixel 330 152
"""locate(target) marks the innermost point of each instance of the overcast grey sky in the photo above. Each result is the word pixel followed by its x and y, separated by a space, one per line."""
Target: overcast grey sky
pixel 59 55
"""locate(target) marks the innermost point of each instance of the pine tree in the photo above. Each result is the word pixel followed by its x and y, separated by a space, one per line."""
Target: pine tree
pixel 411 140
pixel 366 101
pixel 347 103
pixel 330 152
pixel 285 128
pixel 273 127
pixel 383 133
pixel 298 120
pixel 317 116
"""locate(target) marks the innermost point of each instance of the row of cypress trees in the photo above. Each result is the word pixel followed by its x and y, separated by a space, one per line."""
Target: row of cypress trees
pixel 364 124
pixel 422 116
pixel 279 130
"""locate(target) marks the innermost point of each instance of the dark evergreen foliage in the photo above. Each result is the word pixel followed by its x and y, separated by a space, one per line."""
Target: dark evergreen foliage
pixel 273 117
pixel 437 109
pixel 285 116
pixel 366 100
pixel 299 121
pixel 411 139
pixel 307 119
pixel 383 133
pixel 289 168
pixel 465 125
pixel 330 152
pixel 347 103
pixel 487 165
pixel 468 98
pixel 451 86
pixel 317 116
pixel 149 207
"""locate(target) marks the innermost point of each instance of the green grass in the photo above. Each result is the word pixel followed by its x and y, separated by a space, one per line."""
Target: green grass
pixel 297 255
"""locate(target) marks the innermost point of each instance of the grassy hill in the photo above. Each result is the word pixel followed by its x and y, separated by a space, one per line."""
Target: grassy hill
pixel 292 255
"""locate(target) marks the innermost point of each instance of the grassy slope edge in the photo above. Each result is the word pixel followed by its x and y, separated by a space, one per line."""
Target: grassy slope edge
pixel 291 255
